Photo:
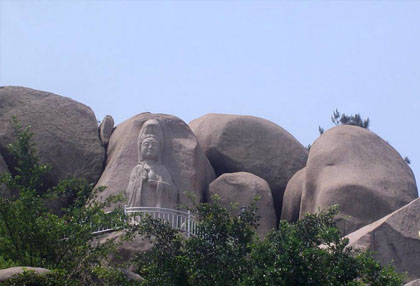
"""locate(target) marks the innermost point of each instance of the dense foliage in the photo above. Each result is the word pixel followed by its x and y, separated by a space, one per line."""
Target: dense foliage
pixel 36 231
pixel 227 252
pixel 217 256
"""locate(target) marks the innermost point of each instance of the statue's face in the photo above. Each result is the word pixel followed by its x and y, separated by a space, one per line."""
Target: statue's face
pixel 150 149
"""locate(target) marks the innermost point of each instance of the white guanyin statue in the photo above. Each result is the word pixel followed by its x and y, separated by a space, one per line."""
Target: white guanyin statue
pixel 151 184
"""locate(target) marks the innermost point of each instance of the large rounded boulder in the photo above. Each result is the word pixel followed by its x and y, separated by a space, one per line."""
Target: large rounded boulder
pixel 237 143
pixel 354 168
pixel 179 167
pixel 393 239
pixel 292 197
pixel 65 132
pixel 8 273
pixel 413 283
pixel 238 190
pixel 105 129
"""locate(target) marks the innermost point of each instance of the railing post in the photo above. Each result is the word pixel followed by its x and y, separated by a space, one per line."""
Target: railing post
pixel 188 223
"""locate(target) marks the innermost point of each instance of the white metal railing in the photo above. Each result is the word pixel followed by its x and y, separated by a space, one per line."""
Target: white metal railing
pixel 180 220
pixel 108 226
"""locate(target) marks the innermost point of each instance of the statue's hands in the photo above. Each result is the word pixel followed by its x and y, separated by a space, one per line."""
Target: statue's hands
pixel 145 174
pixel 153 183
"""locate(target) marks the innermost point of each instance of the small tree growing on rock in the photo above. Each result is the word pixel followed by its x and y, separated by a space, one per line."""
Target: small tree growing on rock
pixel 31 235
pixel 342 119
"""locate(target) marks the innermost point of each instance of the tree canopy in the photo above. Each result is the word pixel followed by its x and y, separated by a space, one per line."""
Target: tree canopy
pixel 227 252
pixel 342 119
pixel 36 231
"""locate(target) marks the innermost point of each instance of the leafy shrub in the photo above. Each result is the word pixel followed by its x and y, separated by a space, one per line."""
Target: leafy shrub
pixel 31 235
pixel 226 251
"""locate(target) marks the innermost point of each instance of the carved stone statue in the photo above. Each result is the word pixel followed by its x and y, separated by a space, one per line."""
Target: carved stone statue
pixel 151 184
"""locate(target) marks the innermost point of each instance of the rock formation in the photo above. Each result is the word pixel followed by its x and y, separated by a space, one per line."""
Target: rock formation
pixel 131 276
pixel 105 129
pixel 3 169
pixel 394 239
pixel 356 169
pixel 8 273
pixel 292 197
pixel 65 132
pixel 126 249
pixel 413 283
pixel 236 143
pixel 153 160
pixel 241 189
pixel 181 159
pixel 3 165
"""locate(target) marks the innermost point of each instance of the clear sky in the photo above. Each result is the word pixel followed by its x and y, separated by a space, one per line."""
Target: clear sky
pixel 291 62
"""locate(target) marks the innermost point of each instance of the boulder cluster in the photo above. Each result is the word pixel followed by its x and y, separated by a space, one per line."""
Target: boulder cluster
pixel 235 158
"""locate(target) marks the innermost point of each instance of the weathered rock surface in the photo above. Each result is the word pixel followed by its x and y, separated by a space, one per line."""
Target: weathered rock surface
pixel 8 273
pixel 130 275
pixel 126 249
pixel 105 129
pixel 236 143
pixel 3 165
pixel 413 283
pixel 394 239
pixel 182 158
pixel 292 197
pixel 3 169
pixel 65 132
pixel 356 169
pixel 241 188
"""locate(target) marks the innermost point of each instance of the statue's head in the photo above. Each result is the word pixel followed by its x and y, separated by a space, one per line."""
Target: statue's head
pixel 150 141
pixel 150 149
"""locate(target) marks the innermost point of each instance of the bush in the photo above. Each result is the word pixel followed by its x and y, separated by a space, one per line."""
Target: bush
pixel 31 235
pixel 227 251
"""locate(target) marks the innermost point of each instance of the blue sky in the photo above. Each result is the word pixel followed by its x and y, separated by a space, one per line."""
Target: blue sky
pixel 291 62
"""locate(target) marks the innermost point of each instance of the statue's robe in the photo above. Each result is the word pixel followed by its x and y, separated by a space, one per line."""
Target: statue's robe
pixel 151 186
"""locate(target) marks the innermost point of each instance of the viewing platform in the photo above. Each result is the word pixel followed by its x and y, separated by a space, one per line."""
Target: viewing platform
pixel 183 221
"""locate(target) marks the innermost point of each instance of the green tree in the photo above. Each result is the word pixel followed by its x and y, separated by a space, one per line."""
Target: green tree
pixel 226 251
pixel 217 255
pixel 31 235
pixel 313 252
pixel 342 119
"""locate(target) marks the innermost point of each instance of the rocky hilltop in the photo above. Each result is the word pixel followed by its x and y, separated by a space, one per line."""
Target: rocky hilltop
pixel 154 160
